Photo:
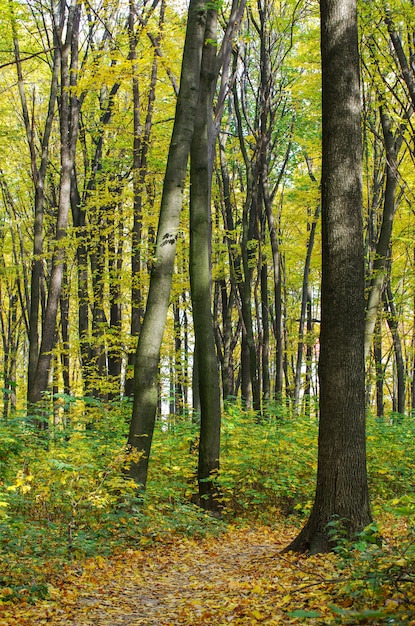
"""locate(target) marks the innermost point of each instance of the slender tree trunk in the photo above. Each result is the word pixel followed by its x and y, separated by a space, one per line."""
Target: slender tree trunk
pixel 305 293
pixel 228 388
pixel 39 177
pixel 201 165
pixel 308 391
pixel 392 320
pixel 64 324
pixel 379 370
pixel 243 275
pixel 178 399
pixel 68 129
pixel 224 343
pixel 148 349
pixel 342 491
pixel 266 377
pixel 141 145
pixel 407 67
pixel 115 265
pixel 392 146
pixel 413 350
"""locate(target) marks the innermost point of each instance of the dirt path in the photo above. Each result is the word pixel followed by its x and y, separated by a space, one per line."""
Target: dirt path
pixel 239 578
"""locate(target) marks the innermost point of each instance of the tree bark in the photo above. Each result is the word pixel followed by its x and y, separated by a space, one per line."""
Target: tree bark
pixel 305 298
pixel 39 177
pixel 392 147
pixel 342 491
pixel 201 164
pixel 148 348
pixel 68 130
pixel 141 145
pixel 379 370
pixel 393 323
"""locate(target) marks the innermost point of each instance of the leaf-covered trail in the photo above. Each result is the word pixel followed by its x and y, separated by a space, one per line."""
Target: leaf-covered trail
pixel 238 578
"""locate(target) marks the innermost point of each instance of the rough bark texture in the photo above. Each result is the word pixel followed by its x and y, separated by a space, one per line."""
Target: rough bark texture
pixel 342 491
pixel 148 349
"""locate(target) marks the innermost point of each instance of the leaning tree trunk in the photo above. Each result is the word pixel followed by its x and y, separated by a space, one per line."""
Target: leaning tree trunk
pixel 151 335
pixel 342 491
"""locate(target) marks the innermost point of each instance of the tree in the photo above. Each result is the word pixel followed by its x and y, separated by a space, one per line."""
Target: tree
pixel 66 30
pixel 201 165
pixel 342 490
pixel 148 348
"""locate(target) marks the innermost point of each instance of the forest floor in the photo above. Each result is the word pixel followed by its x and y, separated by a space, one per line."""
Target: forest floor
pixel 239 577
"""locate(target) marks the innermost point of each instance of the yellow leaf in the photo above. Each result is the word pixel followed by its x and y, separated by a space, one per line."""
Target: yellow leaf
pixel 7 591
pixel 257 615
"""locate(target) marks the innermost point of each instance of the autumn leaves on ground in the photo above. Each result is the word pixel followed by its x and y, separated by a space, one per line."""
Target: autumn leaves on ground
pixel 239 577
pixel 77 548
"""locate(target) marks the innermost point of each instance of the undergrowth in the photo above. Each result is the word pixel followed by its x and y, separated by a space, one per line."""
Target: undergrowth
pixel 68 498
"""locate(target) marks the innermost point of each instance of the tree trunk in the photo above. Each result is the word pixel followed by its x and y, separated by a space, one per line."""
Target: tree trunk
pixel 305 302
pixel 379 370
pixel 141 145
pixel 342 491
pixel 148 348
pixel 392 147
pixel 407 67
pixel 115 266
pixel 243 274
pixel 392 320
pixel 68 130
pixel 201 164
pixel 266 378
pixel 39 177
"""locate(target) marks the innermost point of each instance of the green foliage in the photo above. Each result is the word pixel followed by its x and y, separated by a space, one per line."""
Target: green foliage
pixel 262 470
pixel 374 573
pixel 11 443
pixel 391 461
pixel 70 499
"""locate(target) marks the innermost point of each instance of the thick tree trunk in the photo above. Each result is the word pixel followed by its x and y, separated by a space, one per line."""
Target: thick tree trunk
pixel 148 349
pixel 342 491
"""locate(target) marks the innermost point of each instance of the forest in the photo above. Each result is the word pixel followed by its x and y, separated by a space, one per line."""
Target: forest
pixel 207 312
